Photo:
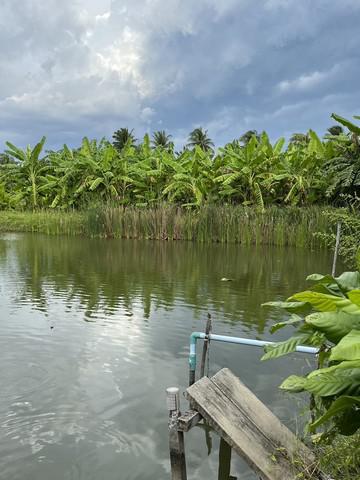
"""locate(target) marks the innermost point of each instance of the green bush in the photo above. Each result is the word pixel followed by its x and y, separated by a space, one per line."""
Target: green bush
pixel 349 218
pixel 327 316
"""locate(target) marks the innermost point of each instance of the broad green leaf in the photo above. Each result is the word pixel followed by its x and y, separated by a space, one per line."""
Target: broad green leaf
pixel 349 280
pixel 96 183
pixel 259 197
pixel 335 325
pixel 294 383
pixel 333 383
pixel 293 320
pixel 283 348
pixel 338 406
pixel 315 144
pixel 348 348
pixel 325 284
pixel 351 126
pixel 292 307
pixel 318 277
pixel 15 152
pixel 279 146
pixel 37 150
pixel 346 365
pixel 354 296
pixel 324 302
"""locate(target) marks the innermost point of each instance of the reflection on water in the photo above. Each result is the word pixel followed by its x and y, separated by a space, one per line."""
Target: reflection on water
pixel 92 332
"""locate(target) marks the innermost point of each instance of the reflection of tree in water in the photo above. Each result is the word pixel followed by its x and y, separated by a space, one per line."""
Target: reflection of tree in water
pixel 105 275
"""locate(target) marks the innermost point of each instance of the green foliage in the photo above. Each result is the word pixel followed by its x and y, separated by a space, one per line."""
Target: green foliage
pixel 340 459
pixel 344 169
pixel 334 328
pixel 251 171
pixel 26 174
pixel 349 218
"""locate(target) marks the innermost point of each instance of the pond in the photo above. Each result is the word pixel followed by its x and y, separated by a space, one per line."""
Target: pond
pixel 93 331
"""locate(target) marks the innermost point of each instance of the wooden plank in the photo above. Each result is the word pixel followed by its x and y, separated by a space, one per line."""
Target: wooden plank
pixel 234 412
pixel 177 454
pixel 259 414
pixel 188 420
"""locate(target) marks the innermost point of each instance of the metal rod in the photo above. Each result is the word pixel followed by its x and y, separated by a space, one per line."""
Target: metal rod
pixel 337 246
pixel 195 336
pixel 205 346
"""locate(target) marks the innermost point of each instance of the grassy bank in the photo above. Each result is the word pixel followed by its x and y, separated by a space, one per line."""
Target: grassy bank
pixel 280 226
pixel 44 221
pixel 341 459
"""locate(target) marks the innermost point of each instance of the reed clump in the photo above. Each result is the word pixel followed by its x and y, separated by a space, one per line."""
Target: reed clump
pixel 280 226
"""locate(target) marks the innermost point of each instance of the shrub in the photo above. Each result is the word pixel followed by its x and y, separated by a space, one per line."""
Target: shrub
pixel 326 316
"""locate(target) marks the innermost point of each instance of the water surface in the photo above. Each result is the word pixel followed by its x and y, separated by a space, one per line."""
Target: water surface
pixel 93 331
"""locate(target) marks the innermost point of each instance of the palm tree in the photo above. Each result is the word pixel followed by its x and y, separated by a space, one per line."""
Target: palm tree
pixel 199 137
pixel 245 139
pixel 299 139
pixel 161 139
pixel 123 137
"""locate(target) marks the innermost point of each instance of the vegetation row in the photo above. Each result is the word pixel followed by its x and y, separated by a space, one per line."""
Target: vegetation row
pixel 248 171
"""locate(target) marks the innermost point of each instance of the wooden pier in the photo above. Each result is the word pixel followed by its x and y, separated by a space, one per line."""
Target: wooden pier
pixel 246 426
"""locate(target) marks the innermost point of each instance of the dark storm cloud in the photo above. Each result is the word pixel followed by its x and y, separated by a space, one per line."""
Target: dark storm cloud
pixel 88 67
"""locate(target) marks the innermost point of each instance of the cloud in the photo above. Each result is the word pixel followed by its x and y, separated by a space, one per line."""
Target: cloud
pixel 309 81
pixel 89 67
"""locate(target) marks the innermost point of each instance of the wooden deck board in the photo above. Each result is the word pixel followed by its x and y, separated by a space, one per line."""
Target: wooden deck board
pixel 250 428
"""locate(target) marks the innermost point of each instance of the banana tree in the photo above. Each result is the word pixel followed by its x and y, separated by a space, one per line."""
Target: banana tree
pixel 300 177
pixel 344 165
pixel 28 172
pixel 246 172
pixel 192 179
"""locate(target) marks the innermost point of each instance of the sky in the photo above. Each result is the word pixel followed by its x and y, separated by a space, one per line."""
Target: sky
pixel 72 68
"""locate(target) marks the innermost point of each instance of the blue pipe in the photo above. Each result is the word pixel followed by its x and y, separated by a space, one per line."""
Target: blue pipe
pixel 195 336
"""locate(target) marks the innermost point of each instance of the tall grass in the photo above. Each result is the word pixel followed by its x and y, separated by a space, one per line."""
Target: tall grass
pixel 43 221
pixel 341 459
pixel 225 224
pixel 280 226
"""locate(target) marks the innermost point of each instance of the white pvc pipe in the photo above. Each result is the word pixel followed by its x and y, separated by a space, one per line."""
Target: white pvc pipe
pixel 238 340
pixel 255 343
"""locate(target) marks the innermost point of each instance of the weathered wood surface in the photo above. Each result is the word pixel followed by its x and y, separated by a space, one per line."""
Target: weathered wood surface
pixel 177 454
pixel 251 429
pixel 188 420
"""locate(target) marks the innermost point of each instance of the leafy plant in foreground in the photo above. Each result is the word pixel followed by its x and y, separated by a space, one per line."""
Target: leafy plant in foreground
pixel 326 316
